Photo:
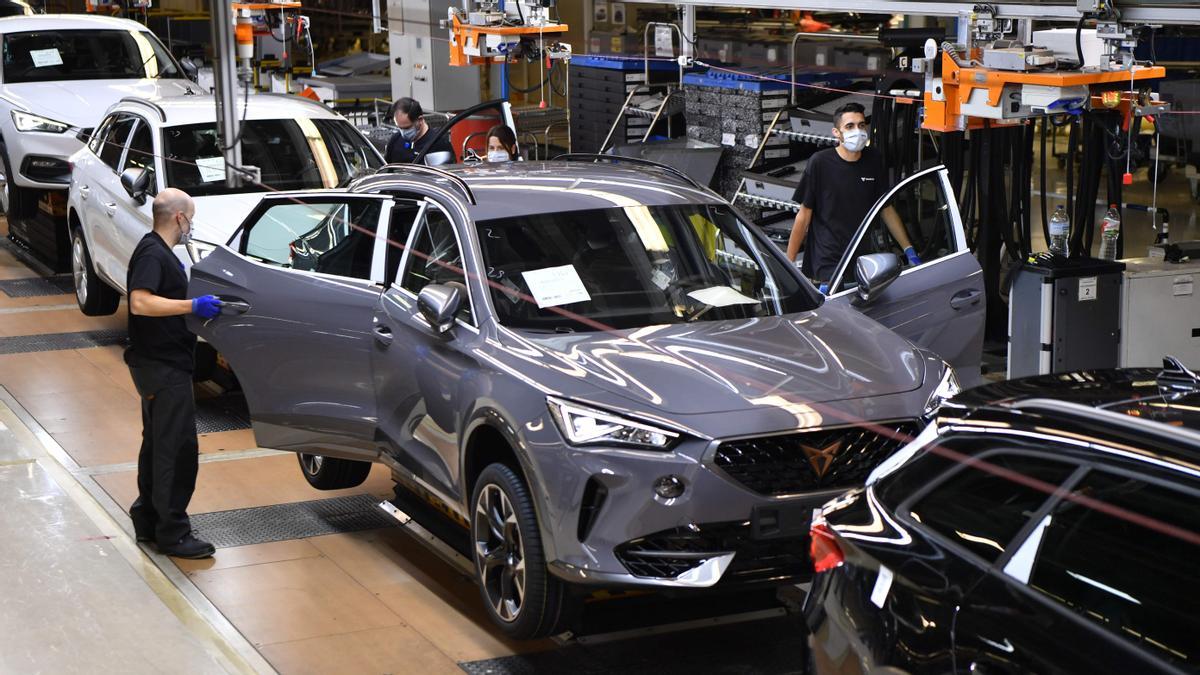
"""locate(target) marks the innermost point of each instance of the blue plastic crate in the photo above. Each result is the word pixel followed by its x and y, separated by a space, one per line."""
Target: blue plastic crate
pixel 626 64
pixel 748 81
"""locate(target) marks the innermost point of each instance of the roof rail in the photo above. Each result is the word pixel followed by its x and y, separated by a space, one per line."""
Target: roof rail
pixel 162 114
pixel 295 97
pixel 1088 413
pixel 430 171
pixel 586 156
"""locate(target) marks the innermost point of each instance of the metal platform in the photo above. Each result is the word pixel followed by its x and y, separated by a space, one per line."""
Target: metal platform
pixel 283 522
pixel 222 413
pixel 50 342
pixel 61 284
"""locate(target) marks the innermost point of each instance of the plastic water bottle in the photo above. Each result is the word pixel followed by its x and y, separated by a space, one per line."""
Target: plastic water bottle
pixel 1060 229
pixel 1109 233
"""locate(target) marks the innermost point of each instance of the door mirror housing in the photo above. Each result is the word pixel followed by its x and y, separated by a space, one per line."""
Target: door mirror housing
pixel 439 158
pixel 137 183
pixel 190 69
pixel 874 273
pixel 439 304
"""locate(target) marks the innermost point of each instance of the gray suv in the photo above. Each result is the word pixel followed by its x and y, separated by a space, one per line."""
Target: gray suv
pixel 601 370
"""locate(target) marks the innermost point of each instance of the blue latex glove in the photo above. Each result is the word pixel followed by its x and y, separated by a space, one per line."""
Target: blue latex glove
pixel 824 288
pixel 912 256
pixel 206 306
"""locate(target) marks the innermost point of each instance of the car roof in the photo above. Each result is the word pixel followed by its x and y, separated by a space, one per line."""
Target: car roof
pixel 511 189
pixel 201 108
pixel 20 24
pixel 1137 408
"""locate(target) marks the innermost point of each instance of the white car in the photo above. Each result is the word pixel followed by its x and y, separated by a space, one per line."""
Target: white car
pixel 144 146
pixel 59 74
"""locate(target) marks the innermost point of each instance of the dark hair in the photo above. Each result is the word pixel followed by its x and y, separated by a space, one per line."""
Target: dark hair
pixel 506 137
pixel 411 108
pixel 850 107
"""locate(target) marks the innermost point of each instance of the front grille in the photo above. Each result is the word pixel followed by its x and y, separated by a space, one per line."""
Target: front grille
pixel 812 460
pixel 670 553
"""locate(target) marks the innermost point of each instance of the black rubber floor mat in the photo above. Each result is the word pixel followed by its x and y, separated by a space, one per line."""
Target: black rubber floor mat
pixel 775 646
pixel 61 284
pixel 221 413
pixel 283 522
pixel 20 344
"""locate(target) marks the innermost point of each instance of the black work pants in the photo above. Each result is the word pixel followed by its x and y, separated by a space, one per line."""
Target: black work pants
pixel 170 454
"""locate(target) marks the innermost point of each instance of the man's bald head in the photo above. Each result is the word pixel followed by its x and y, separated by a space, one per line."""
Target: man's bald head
pixel 168 203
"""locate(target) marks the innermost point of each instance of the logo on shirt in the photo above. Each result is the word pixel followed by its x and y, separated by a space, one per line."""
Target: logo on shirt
pixel 866 178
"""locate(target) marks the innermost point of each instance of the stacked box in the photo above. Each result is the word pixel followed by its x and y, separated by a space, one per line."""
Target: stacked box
pixel 598 89
pixel 735 110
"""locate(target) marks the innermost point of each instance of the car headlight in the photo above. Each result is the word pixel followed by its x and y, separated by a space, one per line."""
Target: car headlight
pixel 198 250
pixel 946 389
pixel 28 122
pixel 587 426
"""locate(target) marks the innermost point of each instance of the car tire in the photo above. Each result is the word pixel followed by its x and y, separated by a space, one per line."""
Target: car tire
pixel 20 202
pixel 520 595
pixel 94 297
pixel 333 473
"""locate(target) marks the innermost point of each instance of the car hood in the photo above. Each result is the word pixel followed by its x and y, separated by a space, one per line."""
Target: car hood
pixel 82 103
pixel 219 216
pixel 829 354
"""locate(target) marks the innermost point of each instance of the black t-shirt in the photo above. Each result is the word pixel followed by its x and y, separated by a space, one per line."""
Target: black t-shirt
pixel 400 151
pixel 840 194
pixel 165 339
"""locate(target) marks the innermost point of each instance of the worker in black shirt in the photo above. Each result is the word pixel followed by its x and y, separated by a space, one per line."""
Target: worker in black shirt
pixel 415 136
pixel 160 358
pixel 838 189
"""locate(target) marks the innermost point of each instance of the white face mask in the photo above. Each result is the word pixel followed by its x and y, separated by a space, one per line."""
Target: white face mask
pixel 498 156
pixel 855 139
pixel 185 235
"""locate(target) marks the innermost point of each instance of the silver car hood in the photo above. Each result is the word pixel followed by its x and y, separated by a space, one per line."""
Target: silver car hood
pixel 826 355
pixel 82 103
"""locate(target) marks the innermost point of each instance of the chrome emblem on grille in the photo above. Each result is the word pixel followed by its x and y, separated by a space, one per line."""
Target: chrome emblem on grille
pixel 822 458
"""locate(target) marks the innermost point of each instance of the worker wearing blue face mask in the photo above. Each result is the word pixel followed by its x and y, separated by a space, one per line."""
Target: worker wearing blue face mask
pixel 837 190
pixel 414 136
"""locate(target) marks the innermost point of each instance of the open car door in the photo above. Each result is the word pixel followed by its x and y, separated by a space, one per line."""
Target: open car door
pixel 938 304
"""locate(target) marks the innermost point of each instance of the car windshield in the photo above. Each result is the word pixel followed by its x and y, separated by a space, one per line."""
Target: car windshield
pixel 634 266
pixel 293 154
pixel 58 55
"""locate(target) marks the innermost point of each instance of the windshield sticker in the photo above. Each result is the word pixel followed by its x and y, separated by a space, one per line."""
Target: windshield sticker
pixel 45 57
pixel 211 168
pixel 555 286
pixel 721 296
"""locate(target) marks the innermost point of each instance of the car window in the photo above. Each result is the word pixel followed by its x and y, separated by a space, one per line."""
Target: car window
pixel 981 507
pixel 925 215
pixel 404 214
pixel 114 141
pixel 96 142
pixel 1127 564
pixel 141 153
pixel 292 154
pixel 335 237
pixel 59 55
pixel 633 266
pixel 435 258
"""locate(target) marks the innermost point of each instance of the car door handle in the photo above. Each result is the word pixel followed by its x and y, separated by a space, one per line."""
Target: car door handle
pixel 234 305
pixel 110 208
pixel 964 299
pixel 84 192
pixel 383 335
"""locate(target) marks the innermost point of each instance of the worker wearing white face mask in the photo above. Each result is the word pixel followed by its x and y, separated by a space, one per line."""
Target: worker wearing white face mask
pixel 501 144
pixel 837 190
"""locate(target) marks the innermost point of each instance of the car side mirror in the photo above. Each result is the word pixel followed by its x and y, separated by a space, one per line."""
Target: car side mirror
pixel 439 158
pixel 137 183
pixel 190 69
pixel 874 273
pixel 439 304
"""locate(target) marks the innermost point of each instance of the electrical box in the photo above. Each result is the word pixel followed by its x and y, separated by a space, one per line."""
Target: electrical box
pixel 1064 314
pixel 1160 312
pixel 420 57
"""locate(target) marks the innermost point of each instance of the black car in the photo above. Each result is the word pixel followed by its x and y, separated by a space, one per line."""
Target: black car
pixel 1043 525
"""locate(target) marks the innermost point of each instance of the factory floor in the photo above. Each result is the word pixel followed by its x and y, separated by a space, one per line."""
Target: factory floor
pixel 303 581
pixel 291 588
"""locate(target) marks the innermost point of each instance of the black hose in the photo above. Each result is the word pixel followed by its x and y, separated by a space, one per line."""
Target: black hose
pixel 1072 148
pixel 1079 38
pixel 1045 218
pixel 529 90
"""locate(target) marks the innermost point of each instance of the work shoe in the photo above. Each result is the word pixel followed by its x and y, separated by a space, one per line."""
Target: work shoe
pixel 188 547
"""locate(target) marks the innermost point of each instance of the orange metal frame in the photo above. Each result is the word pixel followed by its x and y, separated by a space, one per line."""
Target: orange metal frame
pixel 466 34
pixel 958 83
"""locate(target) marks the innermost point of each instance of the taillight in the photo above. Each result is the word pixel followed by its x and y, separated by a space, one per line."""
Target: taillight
pixel 823 548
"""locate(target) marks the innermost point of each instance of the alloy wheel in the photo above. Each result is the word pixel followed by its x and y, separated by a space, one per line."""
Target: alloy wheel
pixel 79 269
pixel 499 552
pixel 312 463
